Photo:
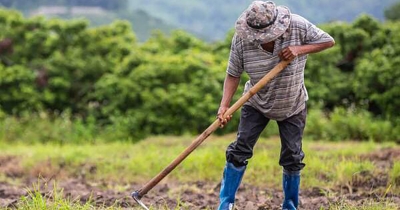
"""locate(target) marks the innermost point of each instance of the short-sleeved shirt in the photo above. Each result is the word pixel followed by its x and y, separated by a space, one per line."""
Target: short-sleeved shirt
pixel 286 94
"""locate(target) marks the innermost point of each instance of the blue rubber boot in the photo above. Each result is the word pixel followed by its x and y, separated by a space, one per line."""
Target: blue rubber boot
pixel 291 184
pixel 229 185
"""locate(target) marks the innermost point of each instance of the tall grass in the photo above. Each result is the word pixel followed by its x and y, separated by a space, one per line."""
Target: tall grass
pixel 327 164
pixel 59 128
pixel 62 128
pixel 395 175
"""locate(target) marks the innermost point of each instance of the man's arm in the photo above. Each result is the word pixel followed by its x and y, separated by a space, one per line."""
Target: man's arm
pixel 312 39
pixel 291 52
pixel 230 86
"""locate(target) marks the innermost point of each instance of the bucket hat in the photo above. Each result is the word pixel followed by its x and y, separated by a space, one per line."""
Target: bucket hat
pixel 263 22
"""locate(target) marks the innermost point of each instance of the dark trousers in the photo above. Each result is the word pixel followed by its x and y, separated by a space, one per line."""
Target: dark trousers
pixel 252 123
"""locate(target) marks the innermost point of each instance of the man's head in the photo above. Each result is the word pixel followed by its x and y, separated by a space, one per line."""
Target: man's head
pixel 263 22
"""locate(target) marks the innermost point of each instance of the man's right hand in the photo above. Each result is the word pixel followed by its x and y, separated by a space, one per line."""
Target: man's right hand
pixel 220 116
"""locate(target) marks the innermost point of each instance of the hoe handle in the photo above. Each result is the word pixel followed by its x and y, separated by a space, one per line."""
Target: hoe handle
pixel 214 126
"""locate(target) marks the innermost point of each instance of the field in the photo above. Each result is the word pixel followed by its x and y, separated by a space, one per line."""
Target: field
pixel 345 175
pixel 90 114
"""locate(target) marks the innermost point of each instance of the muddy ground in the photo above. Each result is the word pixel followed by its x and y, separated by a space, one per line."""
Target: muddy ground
pixel 199 195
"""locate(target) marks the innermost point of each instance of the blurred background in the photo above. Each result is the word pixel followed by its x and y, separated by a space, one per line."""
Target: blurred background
pixel 208 19
pixel 130 68
pixel 127 69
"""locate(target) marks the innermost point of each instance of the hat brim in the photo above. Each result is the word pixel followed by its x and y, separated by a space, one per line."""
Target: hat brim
pixel 264 35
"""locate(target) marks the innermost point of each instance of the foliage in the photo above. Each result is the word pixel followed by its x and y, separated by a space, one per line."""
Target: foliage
pixel 142 23
pixel 172 84
pixel 360 70
pixel 205 18
pixel 63 128
pixel 392 11
pixel 56 63
pixel 349 124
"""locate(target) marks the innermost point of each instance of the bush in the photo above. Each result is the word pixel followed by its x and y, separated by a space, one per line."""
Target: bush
pixel 173 84
pixel 349 124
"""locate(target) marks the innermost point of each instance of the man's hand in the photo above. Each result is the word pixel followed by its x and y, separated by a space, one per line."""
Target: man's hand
pixel 289 53
pixel 220 116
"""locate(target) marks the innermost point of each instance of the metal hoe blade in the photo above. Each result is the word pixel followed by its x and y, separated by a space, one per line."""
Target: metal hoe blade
pixel 136 197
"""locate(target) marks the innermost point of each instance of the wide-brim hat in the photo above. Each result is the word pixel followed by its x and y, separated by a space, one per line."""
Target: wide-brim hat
pixel 263 22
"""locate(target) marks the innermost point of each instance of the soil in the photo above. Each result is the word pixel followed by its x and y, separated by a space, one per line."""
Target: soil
pixel 198 195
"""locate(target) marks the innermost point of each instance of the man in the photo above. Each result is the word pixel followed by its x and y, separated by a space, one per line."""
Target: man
pixel 266 34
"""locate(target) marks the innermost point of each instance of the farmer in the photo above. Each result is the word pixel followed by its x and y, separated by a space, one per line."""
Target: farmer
pixel 266 34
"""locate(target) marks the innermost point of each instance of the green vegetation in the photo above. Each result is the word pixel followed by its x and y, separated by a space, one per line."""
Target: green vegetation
pixel 395 174
pixel 75 97
pixel 64 128
pixel 127 163
pixel 329 165
pixel 206 19
pixel 36 200
pixel 97 12
pixel 142 23
pixel 392 12
pixel 368 206
pixel 105 85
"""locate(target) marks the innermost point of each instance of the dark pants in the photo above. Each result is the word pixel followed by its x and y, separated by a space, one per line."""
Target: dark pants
pixel 252 123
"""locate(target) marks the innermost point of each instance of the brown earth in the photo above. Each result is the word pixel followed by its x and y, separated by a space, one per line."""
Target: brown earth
pixel 197 195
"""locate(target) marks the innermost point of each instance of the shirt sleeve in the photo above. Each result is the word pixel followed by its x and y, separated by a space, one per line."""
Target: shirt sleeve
pixel 235 64
pixel 315 35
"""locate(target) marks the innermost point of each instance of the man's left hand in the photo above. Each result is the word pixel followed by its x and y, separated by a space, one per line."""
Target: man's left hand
pixel 289 53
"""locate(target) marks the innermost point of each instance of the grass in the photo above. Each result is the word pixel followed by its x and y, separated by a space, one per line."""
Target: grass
pixel 53 200
pixel 328 164
pixel 368 206
pixel 395 174
pixel 126 162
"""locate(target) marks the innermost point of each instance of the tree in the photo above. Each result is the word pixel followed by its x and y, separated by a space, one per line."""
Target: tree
pixel 393 12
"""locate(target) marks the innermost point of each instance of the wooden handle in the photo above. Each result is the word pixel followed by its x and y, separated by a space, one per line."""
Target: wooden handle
pixel 260 84
pixel 214 126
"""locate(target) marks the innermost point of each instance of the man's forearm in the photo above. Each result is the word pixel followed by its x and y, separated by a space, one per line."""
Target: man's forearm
pixel 314 48
pixel 230 86
pixel 291 52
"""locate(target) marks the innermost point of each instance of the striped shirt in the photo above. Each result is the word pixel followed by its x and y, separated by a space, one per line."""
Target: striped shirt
pixel 286 94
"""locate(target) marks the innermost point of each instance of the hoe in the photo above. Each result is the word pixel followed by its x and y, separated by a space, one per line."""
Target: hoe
pixel 137 195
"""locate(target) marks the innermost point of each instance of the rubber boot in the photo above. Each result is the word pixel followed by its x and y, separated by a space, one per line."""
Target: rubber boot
pixel 229 185
pixel 291 184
